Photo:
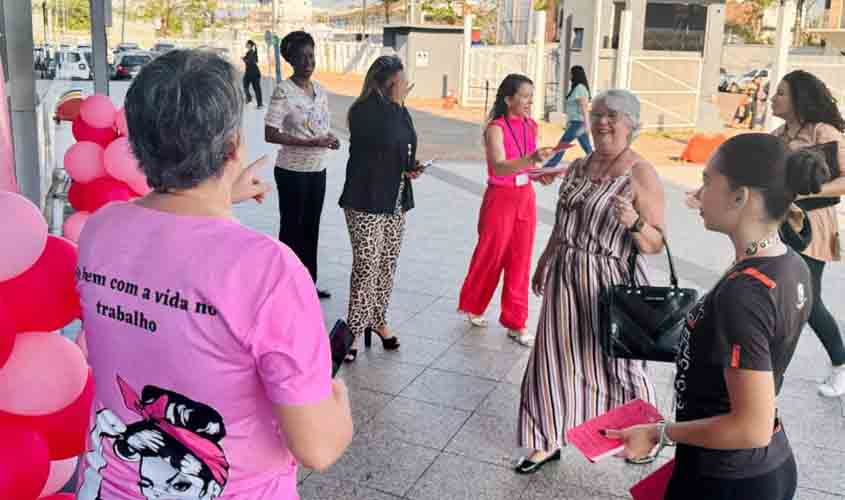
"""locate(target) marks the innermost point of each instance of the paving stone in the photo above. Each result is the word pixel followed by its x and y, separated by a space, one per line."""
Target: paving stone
pixel 321 488
pixel 416 422
pixel 464 392
pixel 390 466
pixel 381 375
pixel 458 478
pixel 478 362
pixel 487 439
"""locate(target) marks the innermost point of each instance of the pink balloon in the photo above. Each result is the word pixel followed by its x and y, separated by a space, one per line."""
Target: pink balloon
pixel 140 186
pixel 84 161
pixel 45 373
pixel 60 473
pixel 72 227
pixel 120 122
pixel 98 111
pixel 23 234
pixel 121 163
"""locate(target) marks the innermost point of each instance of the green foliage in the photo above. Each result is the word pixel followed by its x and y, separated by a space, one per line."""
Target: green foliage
pixel 199 14
pixel 441 14
pixel 77 11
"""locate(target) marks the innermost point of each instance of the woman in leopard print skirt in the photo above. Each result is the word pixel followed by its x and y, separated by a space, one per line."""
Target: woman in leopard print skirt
pixel 377 194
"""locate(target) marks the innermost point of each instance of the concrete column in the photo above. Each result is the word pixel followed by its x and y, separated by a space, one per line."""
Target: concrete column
pixel 99 46
pixel 637 8
pixel 17 29
pixel 539 106
pixel 783 40
pixel 465 62
pixel 566 61
pixel 707 111
pixel 595 45
pixel 623 54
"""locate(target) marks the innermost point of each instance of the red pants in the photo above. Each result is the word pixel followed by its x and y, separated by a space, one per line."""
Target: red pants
pixel 506 226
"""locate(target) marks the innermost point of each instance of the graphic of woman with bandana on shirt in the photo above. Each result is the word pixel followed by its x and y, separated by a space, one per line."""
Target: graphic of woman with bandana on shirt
pixel 175 444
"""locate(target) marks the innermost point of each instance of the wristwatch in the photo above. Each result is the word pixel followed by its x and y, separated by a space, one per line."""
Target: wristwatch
pixel 637 226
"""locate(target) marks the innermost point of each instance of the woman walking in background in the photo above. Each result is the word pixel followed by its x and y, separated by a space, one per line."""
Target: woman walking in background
pixel 812 117
pixel 611 205
pixel 377 194
pixel 760 104
pixel 508 216
pixel 298 120
pixel 252 75
pixel 577 104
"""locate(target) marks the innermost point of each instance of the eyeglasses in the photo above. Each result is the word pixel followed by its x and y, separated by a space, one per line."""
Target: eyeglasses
pixel 612 116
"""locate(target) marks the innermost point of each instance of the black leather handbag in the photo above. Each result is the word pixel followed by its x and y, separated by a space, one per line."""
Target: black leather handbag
pixel 644 322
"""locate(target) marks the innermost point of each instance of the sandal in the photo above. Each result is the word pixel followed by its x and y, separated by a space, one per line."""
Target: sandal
pixel 522 337
pixel 477 321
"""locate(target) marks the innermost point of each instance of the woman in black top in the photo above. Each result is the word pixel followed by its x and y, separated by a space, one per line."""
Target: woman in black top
pixel 740 338
pixel 377 193
pixel 252 75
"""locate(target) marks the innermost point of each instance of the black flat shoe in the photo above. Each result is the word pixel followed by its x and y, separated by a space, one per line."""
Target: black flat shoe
pixel 388 344
pixel 351 356
pixel 526 466
pixel 323 294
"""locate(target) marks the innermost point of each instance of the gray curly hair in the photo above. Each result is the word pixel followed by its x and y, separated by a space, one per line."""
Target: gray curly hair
pixel 625 103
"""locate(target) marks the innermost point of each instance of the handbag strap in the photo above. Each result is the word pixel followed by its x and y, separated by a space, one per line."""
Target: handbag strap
pixel 632 263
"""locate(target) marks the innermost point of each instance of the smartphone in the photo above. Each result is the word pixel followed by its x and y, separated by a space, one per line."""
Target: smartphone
pixel 341 340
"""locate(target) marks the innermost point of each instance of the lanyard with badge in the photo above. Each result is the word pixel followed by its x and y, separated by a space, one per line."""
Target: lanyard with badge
pixel 520 179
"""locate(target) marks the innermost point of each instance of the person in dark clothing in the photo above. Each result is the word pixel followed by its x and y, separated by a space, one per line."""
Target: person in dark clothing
pixel 252 75
pixel 298 120
pixel 739 339
pixel 376 195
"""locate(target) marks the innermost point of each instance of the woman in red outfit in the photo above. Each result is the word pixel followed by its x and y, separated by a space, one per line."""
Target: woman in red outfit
pixel 508 214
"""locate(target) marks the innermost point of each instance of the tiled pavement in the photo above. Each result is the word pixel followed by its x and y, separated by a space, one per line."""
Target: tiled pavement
pixel 436 420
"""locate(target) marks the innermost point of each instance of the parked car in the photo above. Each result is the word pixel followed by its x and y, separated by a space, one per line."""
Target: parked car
pixel 162 47
pixel 126 47
pixel 739 84
pixel 128 64
pixel 74 64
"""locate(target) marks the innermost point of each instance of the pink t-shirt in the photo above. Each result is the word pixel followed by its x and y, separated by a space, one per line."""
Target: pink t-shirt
pixel 520 139
pixel 196 327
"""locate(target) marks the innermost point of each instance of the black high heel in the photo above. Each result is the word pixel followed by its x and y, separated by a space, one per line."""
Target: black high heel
pixel 388 344
pixel 351 356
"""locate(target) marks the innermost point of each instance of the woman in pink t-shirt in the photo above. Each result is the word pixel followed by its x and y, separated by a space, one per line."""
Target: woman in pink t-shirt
pixel 508 216
pixel 209 352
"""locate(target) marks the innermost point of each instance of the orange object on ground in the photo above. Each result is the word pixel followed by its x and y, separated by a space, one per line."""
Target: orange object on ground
pixel 67 109
pixel 450 100
pixel 701 146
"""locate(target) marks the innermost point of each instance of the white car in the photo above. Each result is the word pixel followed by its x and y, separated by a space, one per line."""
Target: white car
pixel 74 64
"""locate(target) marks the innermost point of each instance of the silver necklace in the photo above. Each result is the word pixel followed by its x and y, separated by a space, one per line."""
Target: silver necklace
pixel 755 246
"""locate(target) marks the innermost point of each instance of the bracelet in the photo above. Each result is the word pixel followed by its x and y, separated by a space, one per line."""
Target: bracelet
pixel 638 225
pixel 664 436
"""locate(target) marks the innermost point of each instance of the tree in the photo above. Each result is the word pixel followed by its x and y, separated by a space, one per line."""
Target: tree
pixel 199 14
pixel 387 4
pixel 439 13
pixel 75 15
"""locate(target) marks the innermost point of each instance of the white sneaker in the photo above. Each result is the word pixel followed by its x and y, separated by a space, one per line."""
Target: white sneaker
pixel 521 337
pixel 834 385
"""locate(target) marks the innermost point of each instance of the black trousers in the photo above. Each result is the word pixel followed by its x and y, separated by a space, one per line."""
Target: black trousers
pixel 301 197
pixel 779 484
pixel 821 321
pixel 255 81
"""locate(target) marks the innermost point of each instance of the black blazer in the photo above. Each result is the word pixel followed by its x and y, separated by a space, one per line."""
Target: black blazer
pixel 378 155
